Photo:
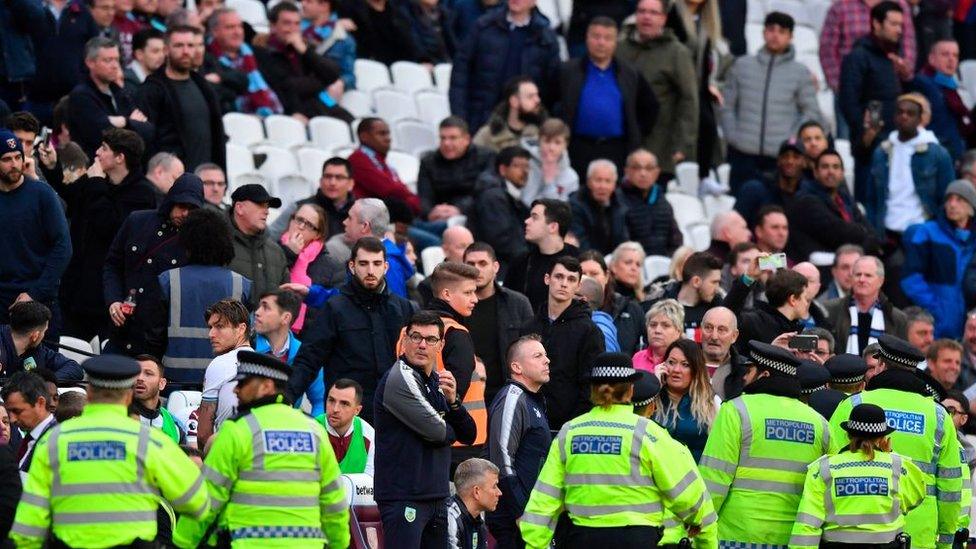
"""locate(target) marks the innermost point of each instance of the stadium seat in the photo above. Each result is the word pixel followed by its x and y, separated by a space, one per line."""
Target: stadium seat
pixel 410 77
pixel 344 152
pixel 431 257
pixel 442 76
pixel 795 9
pixel 817 13
pixel 754 37
pixel 715 205
pixel 812 62
pixel 294 187
pixel 805 40
pixel 700 235
pixel 755 11
pixel 843 147
pixel 723 172
pixel 967 72
pixel 550 8
pixel 247 178
pixel 370 75
pixel 243 129
pixel 179 401
pixel 393 104
pixel 358 103
pixel 329 133
pixel 285 131
pixel 310 161
pixel 688 210
pixel 239 160
pixel 407 167
pixel 432 107
pixel 278 162
pixel 78 345
pixel 414 136
pixel 251 11
pixel 656 266
pixel 825 100
pixel 687 175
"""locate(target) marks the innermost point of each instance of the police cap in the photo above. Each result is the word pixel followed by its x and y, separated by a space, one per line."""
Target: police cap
pixel 867 420
pixel 111 371
pixel 251 364
pixel 646 388
pixel 932 387
pixel 813 376
pixel 612 368
pixel 898 351
pixel 776 359
pixel 846 369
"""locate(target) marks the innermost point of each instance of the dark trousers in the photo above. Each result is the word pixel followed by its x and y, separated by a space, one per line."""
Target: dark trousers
pixel 745 167
pixel 503 523
pixel 618 537
pixel 414 524
pixel 583 150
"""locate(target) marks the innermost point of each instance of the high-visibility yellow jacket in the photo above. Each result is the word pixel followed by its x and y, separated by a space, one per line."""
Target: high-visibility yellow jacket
pixel 95 481
pixel 754 464
pixel 925 435
pixel 610 467
pixel 274 482
pixel 848 498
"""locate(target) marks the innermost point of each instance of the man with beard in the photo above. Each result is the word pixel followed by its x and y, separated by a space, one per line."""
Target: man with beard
pixel 517 117
pixel 21 344
pixel 147 406
pixel 357 330
pixel 182 106
pixel 495 322
pixel 229 327
pixel 35 246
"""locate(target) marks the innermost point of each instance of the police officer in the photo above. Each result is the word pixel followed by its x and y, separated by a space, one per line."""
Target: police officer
pixel 847 373
pixel 859 497
pixel 646 387
pixel 615 473
pixel 758 451
pixel 923 433
pixel 272 475
pixel 96 479
pixel 813 377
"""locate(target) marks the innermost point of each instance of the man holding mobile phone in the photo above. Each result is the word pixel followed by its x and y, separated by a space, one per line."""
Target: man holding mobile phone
pixel 788 302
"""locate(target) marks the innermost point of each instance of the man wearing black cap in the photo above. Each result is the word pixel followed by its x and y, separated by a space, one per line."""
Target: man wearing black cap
pixel 256 256
pixel 779 190
pixel 35 246
pixel 846 373
pixel 271 473
pixel 924 433
pixel 146 245
pixel 757 444
pixel 104 443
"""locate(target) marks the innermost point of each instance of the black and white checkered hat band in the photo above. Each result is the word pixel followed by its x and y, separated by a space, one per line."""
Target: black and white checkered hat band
pixel 611 372
pixel 848 380
pixel 813 390
pixel 776 365
pixel 907 362
pixel 247 369
pixel 111 383
pixel 867 427
pixel 643 402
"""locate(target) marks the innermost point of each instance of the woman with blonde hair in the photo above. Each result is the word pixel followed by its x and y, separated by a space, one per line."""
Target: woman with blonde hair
pixel 665 323
pixel 627 267
pixel 686 404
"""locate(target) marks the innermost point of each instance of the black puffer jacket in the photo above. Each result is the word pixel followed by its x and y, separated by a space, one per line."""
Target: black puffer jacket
pixel 146 245
pixel 572 341
pixel 650 221
pixel 598 227
pixel 498 218
pixel 629 321
pixel 443 181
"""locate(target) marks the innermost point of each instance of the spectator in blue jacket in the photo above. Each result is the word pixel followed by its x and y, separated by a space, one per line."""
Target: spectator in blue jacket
pixel 503 44
pixel 18 20
pixel 897 197
pixel 329 36
pixel 591 292
pixel 465 13
pixel 21 344
pixel 937 254
pixel 518 435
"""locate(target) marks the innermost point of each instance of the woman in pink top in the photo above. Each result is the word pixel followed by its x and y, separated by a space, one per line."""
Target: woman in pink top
pixel 664 322
pixel 304 245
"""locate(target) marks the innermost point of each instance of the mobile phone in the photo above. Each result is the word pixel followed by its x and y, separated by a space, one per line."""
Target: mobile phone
pixel 772 262
pixel 44 135
pixel 803 342
pixel 874 113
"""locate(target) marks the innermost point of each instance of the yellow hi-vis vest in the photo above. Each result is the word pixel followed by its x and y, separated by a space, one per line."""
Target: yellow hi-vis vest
pixel 474 398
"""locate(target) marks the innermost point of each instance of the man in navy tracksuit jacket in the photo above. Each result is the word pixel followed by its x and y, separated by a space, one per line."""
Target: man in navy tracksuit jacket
pixel 417 416
pixel 518 436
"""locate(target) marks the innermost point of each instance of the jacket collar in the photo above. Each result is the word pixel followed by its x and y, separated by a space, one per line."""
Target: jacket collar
pixel 775 385
pixel 442 308
pixel 899 380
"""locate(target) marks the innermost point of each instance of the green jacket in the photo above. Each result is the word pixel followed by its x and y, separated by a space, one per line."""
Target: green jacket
pixel 668 67
pixel 261 260
pixel 925 434
pixel 285 492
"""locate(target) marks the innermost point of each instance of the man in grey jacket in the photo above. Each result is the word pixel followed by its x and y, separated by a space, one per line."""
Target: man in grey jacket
pixel 767 96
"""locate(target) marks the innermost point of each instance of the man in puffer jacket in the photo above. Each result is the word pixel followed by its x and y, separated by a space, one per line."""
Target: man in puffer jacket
pixel 937 253
pixel 767 97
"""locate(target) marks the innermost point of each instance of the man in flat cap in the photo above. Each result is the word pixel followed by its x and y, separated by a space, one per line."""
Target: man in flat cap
pixel 96 479
pixel 924 432
pixel 271 472
pixel 758 447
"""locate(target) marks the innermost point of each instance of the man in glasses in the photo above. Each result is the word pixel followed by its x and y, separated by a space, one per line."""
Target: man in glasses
pixel 334 196
pixel 214 185
pixel 418 415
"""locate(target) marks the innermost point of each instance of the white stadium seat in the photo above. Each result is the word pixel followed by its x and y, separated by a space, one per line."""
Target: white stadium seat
pixel 243 129
pixel 358 103
pixel 75 343
pixel 701 236
pixel 410 77
pixel 688 210
pixel 686 174
pixel 414 136
pixel 655 266
pixel 328 132
pixel 285 131
pixel 370 75
pixel 442 76
pixel 432 107
pixel 239 161
pixel 393 104
pixel 292 188
pixel 278 163
pixel 310 161
pixel 251 11
pixel 431 257
pixel 407 167
pixel 967 72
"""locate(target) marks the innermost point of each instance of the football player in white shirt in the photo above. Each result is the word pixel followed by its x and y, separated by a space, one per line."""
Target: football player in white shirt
pixel 229 327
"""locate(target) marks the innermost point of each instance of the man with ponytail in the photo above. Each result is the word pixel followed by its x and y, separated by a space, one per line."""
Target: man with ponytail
pixel 616 474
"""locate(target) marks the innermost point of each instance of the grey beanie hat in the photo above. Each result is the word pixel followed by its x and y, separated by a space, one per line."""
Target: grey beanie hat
pixel 964 189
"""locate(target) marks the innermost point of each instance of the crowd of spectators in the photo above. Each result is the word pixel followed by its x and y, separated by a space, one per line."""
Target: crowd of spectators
pixel 567 194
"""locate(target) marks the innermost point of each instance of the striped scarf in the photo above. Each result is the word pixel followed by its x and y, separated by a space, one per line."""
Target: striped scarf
pixel 260 99
pixel 875 330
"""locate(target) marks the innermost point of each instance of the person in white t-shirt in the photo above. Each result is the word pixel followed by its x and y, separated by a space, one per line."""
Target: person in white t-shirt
pixel 229 327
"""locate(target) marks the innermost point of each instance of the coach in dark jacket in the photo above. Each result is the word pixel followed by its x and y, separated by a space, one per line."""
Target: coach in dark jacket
pixel 496 52
pixel 161 106
pixel 146 245
pixel 355 337
pixel 88 112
